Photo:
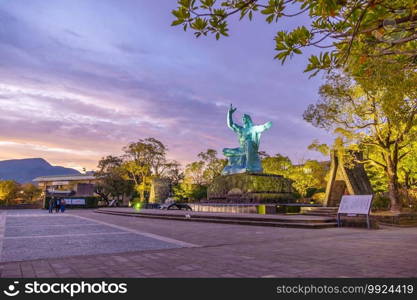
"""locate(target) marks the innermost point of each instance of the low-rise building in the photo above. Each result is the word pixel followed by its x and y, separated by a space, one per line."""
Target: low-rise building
pixel 76 185
pixel 68 187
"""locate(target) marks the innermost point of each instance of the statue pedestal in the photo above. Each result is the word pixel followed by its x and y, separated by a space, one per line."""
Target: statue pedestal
pixel 250 188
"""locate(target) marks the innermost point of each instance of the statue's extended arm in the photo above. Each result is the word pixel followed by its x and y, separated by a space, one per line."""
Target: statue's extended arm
pixel 230 122
pixel 263 127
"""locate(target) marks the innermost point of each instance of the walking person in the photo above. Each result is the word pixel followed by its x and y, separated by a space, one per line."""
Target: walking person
pixel 57 205
pixel 51 204
pixel 63 205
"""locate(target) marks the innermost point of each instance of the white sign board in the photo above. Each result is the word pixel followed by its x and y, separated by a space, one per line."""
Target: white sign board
pixel 355 204
pixel 78 201
pixel 74 201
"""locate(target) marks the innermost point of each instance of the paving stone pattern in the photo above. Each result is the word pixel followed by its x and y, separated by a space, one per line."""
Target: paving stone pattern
pixel 34 236
pixel 223 250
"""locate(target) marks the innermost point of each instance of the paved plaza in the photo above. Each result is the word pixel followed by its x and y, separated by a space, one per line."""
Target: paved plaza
pixel 81 243
pixel 39 235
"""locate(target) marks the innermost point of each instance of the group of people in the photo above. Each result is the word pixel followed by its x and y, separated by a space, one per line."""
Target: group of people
pixel 58 204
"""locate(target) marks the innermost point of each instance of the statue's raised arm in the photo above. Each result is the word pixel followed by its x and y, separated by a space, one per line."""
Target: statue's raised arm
pixel 232 125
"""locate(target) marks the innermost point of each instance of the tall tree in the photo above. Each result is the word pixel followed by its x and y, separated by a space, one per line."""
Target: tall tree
pixel 194 173
pixel 112 183
pixel 277 164
pixel 213 165
pixel 148 152
pixel 30 192
pixel 408 167
pixel 9 190
pixel 193 186
pixel 375 114
pixel 347 32
pixel 174 173
pixel 144 159
pixel 309 175
pixel 198 175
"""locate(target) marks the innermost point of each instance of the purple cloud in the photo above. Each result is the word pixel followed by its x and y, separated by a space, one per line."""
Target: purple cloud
pixel 92 76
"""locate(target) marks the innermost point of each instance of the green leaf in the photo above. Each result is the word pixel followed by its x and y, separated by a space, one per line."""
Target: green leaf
pixel 199 24
pixel 267 11
pixel 177 22
pixel 207 3
pixel 270 18
pixel 186 3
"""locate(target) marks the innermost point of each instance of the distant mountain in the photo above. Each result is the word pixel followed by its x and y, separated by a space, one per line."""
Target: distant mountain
pixel 25 170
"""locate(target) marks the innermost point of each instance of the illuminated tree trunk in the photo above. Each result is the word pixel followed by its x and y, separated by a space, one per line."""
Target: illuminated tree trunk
pixel 393 186
pixel 406 179
pixel 142 191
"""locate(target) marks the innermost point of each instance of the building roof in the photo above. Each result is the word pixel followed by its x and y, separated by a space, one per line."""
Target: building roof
pixel 65 178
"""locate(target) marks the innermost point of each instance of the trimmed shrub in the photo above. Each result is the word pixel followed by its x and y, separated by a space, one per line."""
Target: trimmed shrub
pixel 189 192
pixel 284 209
pixel 318 198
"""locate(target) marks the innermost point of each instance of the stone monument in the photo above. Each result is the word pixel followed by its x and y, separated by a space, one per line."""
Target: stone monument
pixel 160 190
pixel 243 180
pixel 346 180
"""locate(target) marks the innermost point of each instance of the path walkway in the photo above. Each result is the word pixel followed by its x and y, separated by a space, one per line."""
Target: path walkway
pixel 82 243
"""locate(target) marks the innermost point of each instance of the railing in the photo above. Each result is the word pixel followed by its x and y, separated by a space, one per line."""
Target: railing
pixel 237 207
pixel 233 208
pixel 246 207
pixel 152 206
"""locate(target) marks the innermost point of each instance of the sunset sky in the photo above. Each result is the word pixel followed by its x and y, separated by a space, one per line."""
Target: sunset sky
pixel 82 78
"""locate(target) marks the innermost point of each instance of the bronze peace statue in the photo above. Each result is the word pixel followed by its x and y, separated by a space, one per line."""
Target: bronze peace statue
pixel 246 157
